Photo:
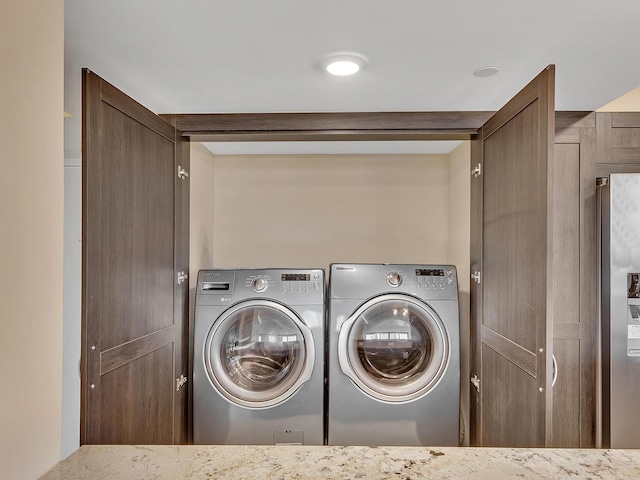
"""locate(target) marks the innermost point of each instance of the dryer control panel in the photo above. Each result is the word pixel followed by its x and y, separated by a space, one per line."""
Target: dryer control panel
pixel 434 282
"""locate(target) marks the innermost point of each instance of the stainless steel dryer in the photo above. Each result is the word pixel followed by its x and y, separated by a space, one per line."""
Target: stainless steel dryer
pixel 394 355
pixel 258 367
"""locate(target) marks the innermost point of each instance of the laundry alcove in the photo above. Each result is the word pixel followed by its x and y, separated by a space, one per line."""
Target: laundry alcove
pixel 311 210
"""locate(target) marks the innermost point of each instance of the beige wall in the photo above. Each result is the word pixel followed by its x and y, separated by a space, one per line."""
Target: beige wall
pixel 459 240
pixel 629 102
pixel 201 215
pixel 313 210
pixel 31 206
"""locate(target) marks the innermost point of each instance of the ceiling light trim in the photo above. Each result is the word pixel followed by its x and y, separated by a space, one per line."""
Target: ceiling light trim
pixel 487 71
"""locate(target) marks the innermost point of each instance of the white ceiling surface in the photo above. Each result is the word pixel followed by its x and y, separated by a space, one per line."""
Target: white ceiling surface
pixel 214 56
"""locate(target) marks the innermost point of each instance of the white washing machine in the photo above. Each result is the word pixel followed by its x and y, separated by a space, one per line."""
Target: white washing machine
pixel 258 367
pixel 394 355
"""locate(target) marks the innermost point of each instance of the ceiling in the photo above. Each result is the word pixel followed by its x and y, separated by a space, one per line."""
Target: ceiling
pixel 214 56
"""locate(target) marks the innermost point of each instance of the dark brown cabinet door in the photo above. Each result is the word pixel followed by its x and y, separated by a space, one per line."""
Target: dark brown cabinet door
pixel 512 251
pixel 132 332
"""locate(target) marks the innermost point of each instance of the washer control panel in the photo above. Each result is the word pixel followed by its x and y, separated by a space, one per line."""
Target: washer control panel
pixel 291 286
pixel 286 285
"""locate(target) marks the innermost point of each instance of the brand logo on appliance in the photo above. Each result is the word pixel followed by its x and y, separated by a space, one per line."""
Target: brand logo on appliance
pixel 348 269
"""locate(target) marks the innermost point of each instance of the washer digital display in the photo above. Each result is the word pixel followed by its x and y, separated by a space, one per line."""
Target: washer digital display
pixel 295 277
pixel 422 272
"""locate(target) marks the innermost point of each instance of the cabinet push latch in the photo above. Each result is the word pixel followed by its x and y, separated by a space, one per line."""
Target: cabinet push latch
pixel 182 173
pixel 476 172
pixel 475 381
pixel 475 276
pixel 182 276
pixel 180 382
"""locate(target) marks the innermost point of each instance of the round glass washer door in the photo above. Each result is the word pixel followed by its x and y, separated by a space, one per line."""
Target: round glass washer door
pixel 394 348
pixel 258 353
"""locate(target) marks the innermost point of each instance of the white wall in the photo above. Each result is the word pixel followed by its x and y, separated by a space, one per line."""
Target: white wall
pixel 458 253
pixel 313 210
pixel 31 206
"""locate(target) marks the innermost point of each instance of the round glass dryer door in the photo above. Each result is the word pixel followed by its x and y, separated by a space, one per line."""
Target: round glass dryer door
pixel 258 353
pixel 394 348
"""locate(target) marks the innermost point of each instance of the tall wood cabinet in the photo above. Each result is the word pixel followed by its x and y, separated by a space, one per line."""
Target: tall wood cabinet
pixel 575 295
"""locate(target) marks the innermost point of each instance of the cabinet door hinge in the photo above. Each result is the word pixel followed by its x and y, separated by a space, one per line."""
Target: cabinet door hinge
pixel 180 382
pixel 476 172
pixel 475 276
pixel 182 173
pixel 182 277
pixel 475 381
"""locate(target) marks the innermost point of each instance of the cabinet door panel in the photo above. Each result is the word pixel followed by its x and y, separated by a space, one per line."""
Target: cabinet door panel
pixel 140 417
pixel 132 332
pixel 511 246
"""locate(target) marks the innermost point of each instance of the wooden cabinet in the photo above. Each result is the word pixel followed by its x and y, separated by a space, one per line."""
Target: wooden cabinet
pixel 512 244
pixel 533 241
pixel 134 333
pixel 588 145
pixel 575 288
pixel 618 136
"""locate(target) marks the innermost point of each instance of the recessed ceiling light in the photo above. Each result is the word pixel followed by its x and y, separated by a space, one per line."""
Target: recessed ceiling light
pixel 485 71
pixel 342 63
pixel 343 67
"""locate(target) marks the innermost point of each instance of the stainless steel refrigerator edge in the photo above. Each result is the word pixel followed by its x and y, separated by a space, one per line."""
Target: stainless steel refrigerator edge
pixel 620 310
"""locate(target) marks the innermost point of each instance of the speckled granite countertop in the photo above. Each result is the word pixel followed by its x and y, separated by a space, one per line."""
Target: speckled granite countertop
pixel 301 462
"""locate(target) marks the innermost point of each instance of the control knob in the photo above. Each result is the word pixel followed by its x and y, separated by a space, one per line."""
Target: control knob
pixel 259 284
pixel 394 279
